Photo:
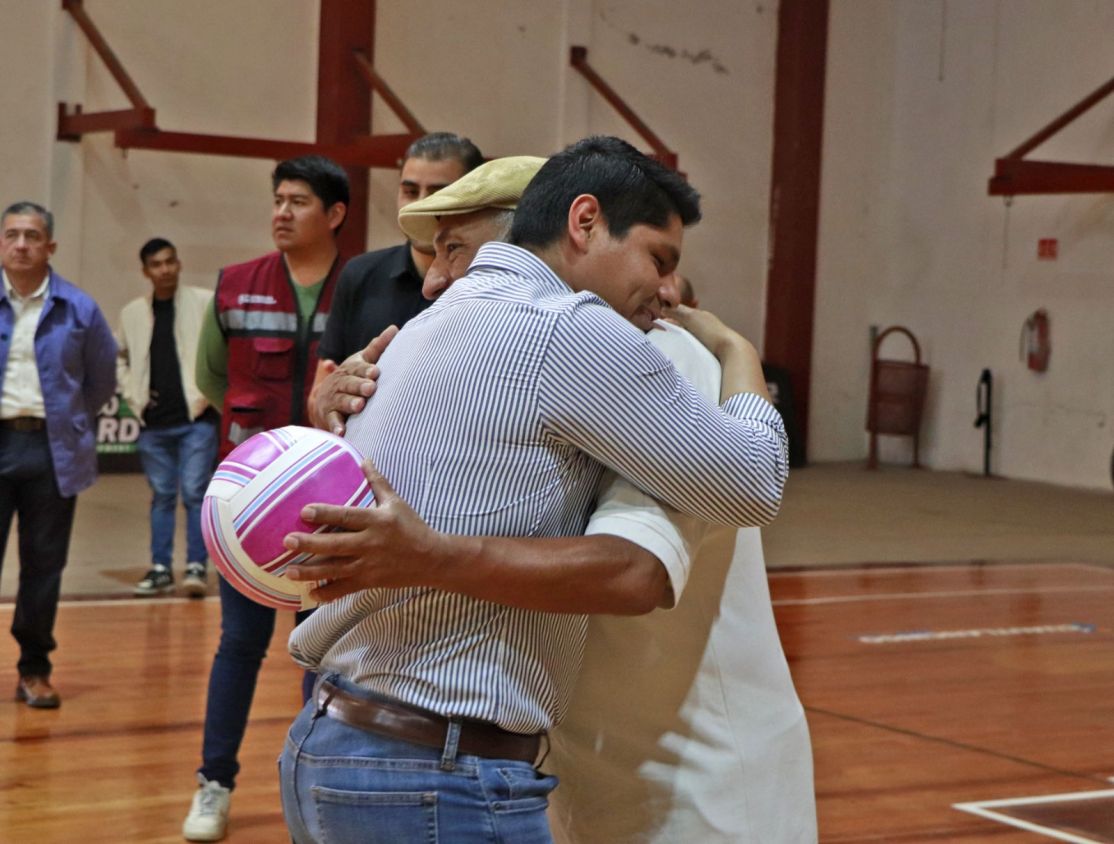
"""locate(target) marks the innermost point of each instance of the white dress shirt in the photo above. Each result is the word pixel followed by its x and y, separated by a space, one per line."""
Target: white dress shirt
pixel 22 394
pixel 684 725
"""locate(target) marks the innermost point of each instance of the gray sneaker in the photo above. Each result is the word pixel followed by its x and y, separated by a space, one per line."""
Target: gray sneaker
pixel 158 581
pixel 208 817
pixel 194 583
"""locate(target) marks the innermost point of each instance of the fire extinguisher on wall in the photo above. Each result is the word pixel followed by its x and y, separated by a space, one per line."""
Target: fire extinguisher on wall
pixel 1036 341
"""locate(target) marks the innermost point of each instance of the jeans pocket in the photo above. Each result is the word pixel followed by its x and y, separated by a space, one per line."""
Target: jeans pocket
pixel 522 789
pixel 376 817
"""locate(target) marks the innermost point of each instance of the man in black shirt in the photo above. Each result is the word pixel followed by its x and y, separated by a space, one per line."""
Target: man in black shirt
pixel 178 438
pixel 383 288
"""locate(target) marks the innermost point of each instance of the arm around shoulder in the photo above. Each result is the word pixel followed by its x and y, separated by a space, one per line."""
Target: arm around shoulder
pixel 390 546
pixel 606 390
pixel 739 360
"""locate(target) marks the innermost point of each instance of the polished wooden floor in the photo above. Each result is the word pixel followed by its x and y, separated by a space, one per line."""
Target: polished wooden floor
pixel 931 686
pixel 926 687
pixel 115 763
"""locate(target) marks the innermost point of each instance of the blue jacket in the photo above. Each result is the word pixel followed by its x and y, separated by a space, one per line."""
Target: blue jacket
pixel 76 356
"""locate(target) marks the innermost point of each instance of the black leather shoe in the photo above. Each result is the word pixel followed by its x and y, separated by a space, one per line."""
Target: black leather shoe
pixel 36 692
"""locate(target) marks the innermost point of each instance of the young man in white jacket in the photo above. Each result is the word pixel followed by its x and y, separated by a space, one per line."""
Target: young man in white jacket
pixel 178 438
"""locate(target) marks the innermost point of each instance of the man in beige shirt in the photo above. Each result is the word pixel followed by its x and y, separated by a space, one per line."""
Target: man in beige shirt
pixel 178 438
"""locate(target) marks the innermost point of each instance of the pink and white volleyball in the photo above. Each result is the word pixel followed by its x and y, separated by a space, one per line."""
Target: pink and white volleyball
pixel 256 497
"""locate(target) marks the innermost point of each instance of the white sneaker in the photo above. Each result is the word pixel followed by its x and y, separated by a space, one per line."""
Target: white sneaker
pixel 208 817
pixel 194 583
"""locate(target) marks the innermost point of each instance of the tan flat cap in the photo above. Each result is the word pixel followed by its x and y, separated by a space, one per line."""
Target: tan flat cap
pixel 497 184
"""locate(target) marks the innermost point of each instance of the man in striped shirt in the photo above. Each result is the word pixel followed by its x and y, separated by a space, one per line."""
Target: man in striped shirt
pixel 684 725
pixel 496 413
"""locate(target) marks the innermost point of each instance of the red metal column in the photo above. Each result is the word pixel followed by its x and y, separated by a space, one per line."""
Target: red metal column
pixel 795 194
pixel 578 58
pixel 343 100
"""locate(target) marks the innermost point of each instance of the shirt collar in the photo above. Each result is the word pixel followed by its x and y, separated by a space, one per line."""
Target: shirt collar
pixel 38 293
pixel 505 257
pixel 402 264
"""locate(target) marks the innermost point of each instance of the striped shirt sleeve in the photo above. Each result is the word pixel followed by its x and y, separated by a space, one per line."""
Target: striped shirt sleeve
pixel 604 389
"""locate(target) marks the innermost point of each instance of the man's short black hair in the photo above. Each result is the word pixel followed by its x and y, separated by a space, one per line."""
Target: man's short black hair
pixel 632 188
pixel 325 178
pixel 27 207
pixel 439 146
pixel 155 244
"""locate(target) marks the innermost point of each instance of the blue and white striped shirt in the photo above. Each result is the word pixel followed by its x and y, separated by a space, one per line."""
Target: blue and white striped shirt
pixel 495 414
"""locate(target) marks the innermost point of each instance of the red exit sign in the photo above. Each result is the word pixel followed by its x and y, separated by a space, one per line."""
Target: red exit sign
pixel 1048 248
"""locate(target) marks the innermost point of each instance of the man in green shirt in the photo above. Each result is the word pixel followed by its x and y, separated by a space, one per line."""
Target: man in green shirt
pixel 256 361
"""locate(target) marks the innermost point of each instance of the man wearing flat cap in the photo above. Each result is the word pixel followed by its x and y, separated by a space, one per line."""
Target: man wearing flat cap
pixel 457 220
pixel 599 573
pixel 450 225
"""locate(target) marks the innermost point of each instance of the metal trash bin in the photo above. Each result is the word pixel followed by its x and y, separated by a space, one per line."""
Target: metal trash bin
pixel 897 394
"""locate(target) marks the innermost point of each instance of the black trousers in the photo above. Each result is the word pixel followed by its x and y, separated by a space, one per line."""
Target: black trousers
pixel 28 489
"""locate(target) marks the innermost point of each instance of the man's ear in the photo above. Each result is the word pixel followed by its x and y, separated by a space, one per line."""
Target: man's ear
pixel 584 216
pixel 336 214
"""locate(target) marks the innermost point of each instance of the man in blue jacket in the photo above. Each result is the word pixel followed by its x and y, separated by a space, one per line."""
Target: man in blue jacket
pixel 57 367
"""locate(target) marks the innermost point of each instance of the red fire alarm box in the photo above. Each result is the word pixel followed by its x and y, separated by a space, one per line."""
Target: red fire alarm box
pixel 1048 249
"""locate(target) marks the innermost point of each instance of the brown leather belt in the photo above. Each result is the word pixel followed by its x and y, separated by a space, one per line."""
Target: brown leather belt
pixel 397 720
pixel 23 423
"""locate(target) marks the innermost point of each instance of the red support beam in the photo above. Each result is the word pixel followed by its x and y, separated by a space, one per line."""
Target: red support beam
pixel 344 103
pixel 364 152
pixel 347 28
pixel 578 58
pixel 72 125
pixel 131 90
pixel 802 46
pixel 1014 176
pixel 1084 105
pixel 380 86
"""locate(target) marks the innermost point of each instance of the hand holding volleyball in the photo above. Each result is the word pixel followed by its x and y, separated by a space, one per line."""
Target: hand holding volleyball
pixel 256 498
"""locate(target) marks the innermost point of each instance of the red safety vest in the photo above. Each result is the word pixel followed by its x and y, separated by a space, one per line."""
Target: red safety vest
pixel 270 371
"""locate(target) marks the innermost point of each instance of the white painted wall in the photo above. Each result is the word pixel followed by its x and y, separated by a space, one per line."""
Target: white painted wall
pixel 244 68
pixel 700 74
pixel 922 96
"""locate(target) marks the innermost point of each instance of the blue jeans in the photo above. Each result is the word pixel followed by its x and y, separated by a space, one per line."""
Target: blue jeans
pixel 245 634
pixel 28 489
pixel 179 457
pixel 341 784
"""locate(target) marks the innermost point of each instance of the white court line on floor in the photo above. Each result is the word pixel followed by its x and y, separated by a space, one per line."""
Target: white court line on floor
pixel 930 567
pixel 902 638
pixel 922 596
pixel 984 808
pixel 9 604
pixel 121 602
